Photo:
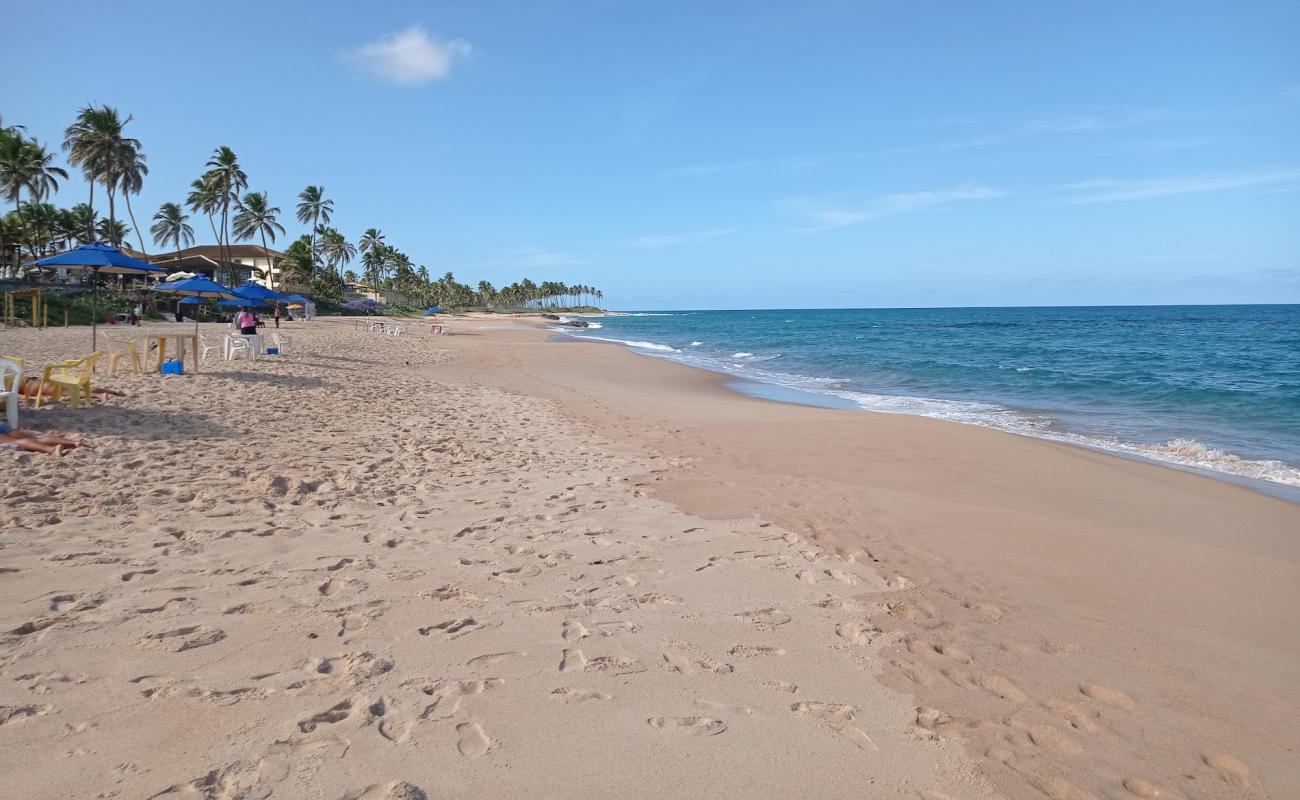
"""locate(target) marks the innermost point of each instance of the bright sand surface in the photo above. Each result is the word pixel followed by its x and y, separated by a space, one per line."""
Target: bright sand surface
pixel 492 564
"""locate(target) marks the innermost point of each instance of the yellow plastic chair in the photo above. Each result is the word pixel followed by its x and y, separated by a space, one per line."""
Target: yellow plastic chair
pixel 66 376
pixel 132 352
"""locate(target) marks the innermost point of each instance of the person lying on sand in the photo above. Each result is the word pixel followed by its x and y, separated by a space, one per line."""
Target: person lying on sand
pixel 32 387
pixel 13 439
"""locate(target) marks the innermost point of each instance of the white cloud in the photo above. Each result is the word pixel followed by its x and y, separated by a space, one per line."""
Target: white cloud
pixel 676 239
pixel 892 204
pixel 410 57
pixel 1118 191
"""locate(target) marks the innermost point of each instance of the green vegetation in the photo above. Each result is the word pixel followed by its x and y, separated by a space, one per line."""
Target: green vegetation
pixel 316 263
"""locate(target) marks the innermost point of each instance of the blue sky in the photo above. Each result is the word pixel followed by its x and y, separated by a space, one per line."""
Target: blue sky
pixel 729 154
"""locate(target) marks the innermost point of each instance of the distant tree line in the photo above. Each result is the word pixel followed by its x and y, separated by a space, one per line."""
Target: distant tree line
pixel 317 262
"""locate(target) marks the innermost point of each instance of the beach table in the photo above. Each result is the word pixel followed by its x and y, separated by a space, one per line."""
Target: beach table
pixel 160 340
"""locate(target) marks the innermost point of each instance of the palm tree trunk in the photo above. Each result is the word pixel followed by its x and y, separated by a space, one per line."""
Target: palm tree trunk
pixel 112 219
pixel 270 268
pixel 139 236
pixel 91 221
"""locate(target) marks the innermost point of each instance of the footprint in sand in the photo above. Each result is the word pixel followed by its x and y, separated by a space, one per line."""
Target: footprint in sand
pixel 838 717
pixel 694 726
pixel 493 658
pixel 471 741
pixel 856 632
pixel 570 695
pixel 398 790
pixel 615 665
pixel 765 619
pixel 1230 768
pixel 1048 738
pixel 336 713
pixel 1078 717
pixel 572 661
pixel 573 630
pixel 1148 790
pixel 12 714
pixel 454 628
pixel 448 694
pixel 198 636
pixel 1001 687
pixel 750 651
pixel 1058 788
pixel 1111 697
pixel 719 707
pixel 35 626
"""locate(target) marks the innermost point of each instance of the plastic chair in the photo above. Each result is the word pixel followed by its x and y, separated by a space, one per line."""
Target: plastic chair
pixel 65 376
pixel 283 342
pixel 11 384
pixel 238 345
pixel 132 352
pixel 207 346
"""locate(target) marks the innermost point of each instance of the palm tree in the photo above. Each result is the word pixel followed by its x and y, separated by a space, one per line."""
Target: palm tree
pixel 372 239
pixel 228 180
pixel 314 208
pixel 25 165
pixel 132 181
pixel 486 293
pixel 95 143
pixel 171 224
pixel 350 276
pixel 338 250
pixel 203 198
pixel 112 230
pixel 257 216
pixel 297 266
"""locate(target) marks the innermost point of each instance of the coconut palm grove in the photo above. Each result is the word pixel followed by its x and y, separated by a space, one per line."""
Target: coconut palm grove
pixel 321 261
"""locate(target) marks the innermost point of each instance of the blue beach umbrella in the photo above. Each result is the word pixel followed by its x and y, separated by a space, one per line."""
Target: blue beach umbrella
pixel 431 310
pixel 256 291
pixel 99 258
pixel 195 289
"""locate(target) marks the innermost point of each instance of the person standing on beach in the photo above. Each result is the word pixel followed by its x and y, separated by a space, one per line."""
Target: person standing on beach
pixel 136 314
pixel 277 316
pixel 246 322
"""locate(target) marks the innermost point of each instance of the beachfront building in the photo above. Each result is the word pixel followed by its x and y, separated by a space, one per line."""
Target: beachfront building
pixel 249 262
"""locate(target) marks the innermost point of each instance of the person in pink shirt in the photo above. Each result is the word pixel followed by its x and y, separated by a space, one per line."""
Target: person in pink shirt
pixel 246 322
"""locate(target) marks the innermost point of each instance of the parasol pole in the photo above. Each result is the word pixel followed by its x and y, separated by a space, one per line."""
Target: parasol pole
pixel 94 308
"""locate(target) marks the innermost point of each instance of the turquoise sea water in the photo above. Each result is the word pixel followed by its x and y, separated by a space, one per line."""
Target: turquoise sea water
pixel 1212 387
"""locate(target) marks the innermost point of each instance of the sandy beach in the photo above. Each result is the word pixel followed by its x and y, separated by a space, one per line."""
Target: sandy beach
pixel 500 563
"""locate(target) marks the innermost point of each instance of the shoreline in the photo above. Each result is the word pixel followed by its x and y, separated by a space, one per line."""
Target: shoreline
pixel 1287 488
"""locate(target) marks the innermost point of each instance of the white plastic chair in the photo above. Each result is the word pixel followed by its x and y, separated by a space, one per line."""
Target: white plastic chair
pixel 394 330
pixel 282 341
pixel 11 382
pixel 239 345
pixel 206 346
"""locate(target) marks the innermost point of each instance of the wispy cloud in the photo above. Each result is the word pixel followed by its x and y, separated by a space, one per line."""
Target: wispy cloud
pixel 893 204
pixel 677 239
pixel 1120 191
pixel 410 57
pixel 999 133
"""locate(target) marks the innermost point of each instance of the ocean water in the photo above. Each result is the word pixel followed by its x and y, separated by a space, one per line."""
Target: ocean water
pixel 1207 387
